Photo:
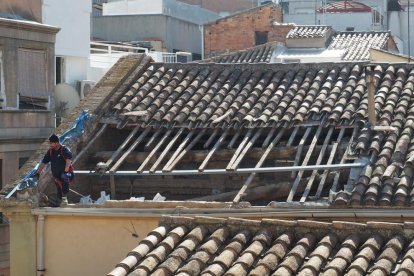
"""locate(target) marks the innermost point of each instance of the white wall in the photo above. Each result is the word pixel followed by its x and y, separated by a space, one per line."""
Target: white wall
pixel 73 19
pixel 398 25
pixel 132 7
pixel 76 68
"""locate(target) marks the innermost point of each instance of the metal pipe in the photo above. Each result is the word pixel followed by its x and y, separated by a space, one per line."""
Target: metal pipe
pixel 224 171
pixel 40 245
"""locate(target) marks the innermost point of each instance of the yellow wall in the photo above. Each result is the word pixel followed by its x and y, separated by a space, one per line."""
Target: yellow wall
pixel 90 245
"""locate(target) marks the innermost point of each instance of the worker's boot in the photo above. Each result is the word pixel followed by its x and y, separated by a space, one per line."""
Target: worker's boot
pixel 64 202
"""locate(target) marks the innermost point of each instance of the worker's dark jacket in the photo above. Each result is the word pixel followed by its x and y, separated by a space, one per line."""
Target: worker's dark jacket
pixel 57 161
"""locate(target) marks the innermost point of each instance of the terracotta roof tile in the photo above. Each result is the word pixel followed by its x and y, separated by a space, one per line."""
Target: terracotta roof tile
pixel 268 247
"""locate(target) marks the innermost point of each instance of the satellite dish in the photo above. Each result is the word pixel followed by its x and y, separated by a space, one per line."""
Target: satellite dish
pixel 66 99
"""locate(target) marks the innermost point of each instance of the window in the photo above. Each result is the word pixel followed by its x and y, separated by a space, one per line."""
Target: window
pixel 261 38
pixel 60 77
pixel 32 79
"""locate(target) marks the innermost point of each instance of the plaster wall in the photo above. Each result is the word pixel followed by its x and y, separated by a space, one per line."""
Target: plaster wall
pixel 73 19
pixel 76 69
pixel 4 250
pixel 398 25
pixel 91 245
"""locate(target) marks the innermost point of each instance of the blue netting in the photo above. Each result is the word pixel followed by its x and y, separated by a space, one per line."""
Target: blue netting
pixel 78 128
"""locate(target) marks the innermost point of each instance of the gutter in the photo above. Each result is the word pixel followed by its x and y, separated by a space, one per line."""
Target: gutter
pixel 253 212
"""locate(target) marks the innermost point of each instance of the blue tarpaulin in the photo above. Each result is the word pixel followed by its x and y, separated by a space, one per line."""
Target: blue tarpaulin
pixel 77 130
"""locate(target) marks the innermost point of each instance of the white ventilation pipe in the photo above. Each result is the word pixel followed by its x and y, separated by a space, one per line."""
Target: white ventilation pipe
pixel 40 254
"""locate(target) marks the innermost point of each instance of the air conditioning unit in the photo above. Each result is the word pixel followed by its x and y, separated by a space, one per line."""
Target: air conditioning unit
pixel 84 87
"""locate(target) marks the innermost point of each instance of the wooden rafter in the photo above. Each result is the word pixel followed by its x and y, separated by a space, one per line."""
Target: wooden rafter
pixel 330 160
pixel 153 138
pixel 130 149
pixel 213 150
pixel 300 149
pixel 233 139
pixel 304 163
pixel 187 149
pixel 90 142
pixel 167 148
pixel 240 148
pixel 245 149
pixel 269 137
pixel 179 149
pixel 318 162
pixel 121 147
pixel 211 138
pixel 258 165
pixel 154 150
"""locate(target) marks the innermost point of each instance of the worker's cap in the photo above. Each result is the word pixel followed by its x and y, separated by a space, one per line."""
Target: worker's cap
pixel 53 138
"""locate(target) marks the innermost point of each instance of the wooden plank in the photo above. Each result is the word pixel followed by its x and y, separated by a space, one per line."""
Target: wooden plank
pixel 304 163
pixel 167 148
pixel 246 148
pixel 269 137
pixel 300 149
pixel 179 149
pixel 91 141
pixel 258 165
pixel 153 138
pixel 121 147
pixel 159 144
pixel 210 140
pixel 213 150
pixel 338 173
pixel 131 149
pixel 240 148
pixel 318 161
pixel 187 149
pixel 233 140
pixel 369 75
pixel 330 159
pixel 292 137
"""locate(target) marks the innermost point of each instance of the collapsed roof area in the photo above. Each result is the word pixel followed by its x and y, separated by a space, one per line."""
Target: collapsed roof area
pixel 256 132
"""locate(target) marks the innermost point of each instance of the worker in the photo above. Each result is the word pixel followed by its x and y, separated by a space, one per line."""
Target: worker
pixel 60 158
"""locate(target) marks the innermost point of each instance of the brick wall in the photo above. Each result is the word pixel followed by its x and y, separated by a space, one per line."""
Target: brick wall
pixel 230 6
pixel 238 32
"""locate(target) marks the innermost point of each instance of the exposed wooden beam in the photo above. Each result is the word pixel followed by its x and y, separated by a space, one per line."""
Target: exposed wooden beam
pixel 258 165
pixel 246 148
pixel 167 148
pixel 304 163
pixel 292 136
pixel 213 150
pixel 369 75
pixel 153 138
pixel 330 160
pixel 121 147
pixel 234 138
pixel 185 151
pixel 90 142
pixel 130 149
pixel 318 161
pixel 179 149
pixel 240 148
pixel 269 137
pixel 212 136
pixel 300 149
pixel 154 150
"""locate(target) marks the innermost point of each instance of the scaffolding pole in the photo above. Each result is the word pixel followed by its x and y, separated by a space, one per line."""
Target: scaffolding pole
pixel 224 171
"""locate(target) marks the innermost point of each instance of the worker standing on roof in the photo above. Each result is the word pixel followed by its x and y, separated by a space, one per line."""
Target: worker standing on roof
pixel 60 158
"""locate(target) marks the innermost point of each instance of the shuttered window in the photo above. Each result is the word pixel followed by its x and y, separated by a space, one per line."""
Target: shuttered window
pixel 32 79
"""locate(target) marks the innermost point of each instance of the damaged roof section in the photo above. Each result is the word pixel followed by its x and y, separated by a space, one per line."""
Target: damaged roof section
pixel 211 246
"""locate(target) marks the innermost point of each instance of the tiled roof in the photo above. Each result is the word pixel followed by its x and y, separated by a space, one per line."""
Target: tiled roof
pixel 207 96
pixel 309 31
pixel 358 44
pixel 344 6
pixel 207 246
pixel 261 53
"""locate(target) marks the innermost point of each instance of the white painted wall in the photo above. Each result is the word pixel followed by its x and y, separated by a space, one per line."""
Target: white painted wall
pixel 132 7
pixel 398 25
pixel 73 39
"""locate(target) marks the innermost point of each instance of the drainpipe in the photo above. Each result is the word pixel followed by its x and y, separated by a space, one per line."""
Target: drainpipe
pixel 40 245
